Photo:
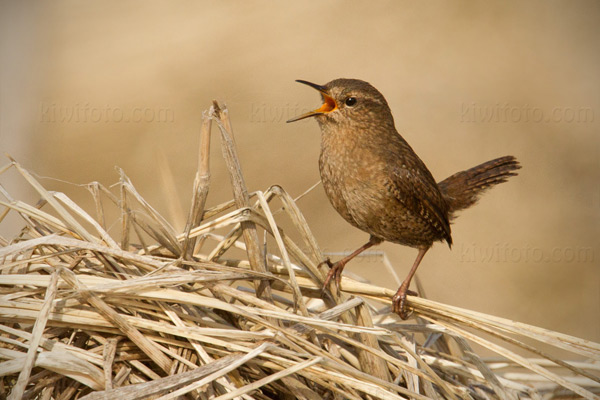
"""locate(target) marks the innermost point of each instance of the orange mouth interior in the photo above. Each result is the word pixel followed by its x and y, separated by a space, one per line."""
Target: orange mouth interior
pixel 328 104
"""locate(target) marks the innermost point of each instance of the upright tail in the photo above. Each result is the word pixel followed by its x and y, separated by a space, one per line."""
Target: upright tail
pixel 463 189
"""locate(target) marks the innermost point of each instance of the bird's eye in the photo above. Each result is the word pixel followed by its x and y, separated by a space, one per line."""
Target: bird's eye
pixel 350 101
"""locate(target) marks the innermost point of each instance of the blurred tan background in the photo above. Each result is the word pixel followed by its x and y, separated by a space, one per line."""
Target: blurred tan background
pixel 87 86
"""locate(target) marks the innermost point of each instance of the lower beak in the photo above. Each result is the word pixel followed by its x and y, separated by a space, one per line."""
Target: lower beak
pixel 328 102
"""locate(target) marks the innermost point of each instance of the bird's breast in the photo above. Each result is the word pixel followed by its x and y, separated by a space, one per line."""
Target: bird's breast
pixel 348 173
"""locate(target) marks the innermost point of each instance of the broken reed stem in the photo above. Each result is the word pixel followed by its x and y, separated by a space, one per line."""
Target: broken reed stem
pixel 298 299
pixel 201 186
pixel 109 353
pixel 241 197
pixel 369 362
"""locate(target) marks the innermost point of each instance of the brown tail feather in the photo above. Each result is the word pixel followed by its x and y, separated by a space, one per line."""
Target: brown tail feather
pixel 463 189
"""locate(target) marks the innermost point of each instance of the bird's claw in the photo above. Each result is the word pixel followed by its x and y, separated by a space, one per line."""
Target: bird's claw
pixel 335 271
pixel 399 302
pixel 325 261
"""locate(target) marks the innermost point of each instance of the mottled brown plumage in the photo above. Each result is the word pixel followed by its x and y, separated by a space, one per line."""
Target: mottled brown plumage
pixel 376 181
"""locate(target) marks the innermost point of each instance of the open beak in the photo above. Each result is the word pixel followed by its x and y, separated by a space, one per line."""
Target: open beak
pixel 328 102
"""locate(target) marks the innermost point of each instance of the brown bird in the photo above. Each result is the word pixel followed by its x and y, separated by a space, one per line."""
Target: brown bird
pixel 375 180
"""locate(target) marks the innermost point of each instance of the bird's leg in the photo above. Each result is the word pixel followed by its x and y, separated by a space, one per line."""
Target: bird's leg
pixel 399 299
pixel 335 270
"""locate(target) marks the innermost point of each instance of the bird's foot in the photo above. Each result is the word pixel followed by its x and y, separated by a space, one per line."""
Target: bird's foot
pixel 335 271
pixel 399 302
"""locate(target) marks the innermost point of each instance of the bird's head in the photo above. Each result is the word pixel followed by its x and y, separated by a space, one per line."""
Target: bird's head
pixel 347 101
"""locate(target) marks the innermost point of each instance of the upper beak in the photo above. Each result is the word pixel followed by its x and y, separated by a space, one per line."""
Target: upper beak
pixel 328 102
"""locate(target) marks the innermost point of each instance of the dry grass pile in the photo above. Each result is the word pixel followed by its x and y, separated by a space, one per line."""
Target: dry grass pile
pixel 232 309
